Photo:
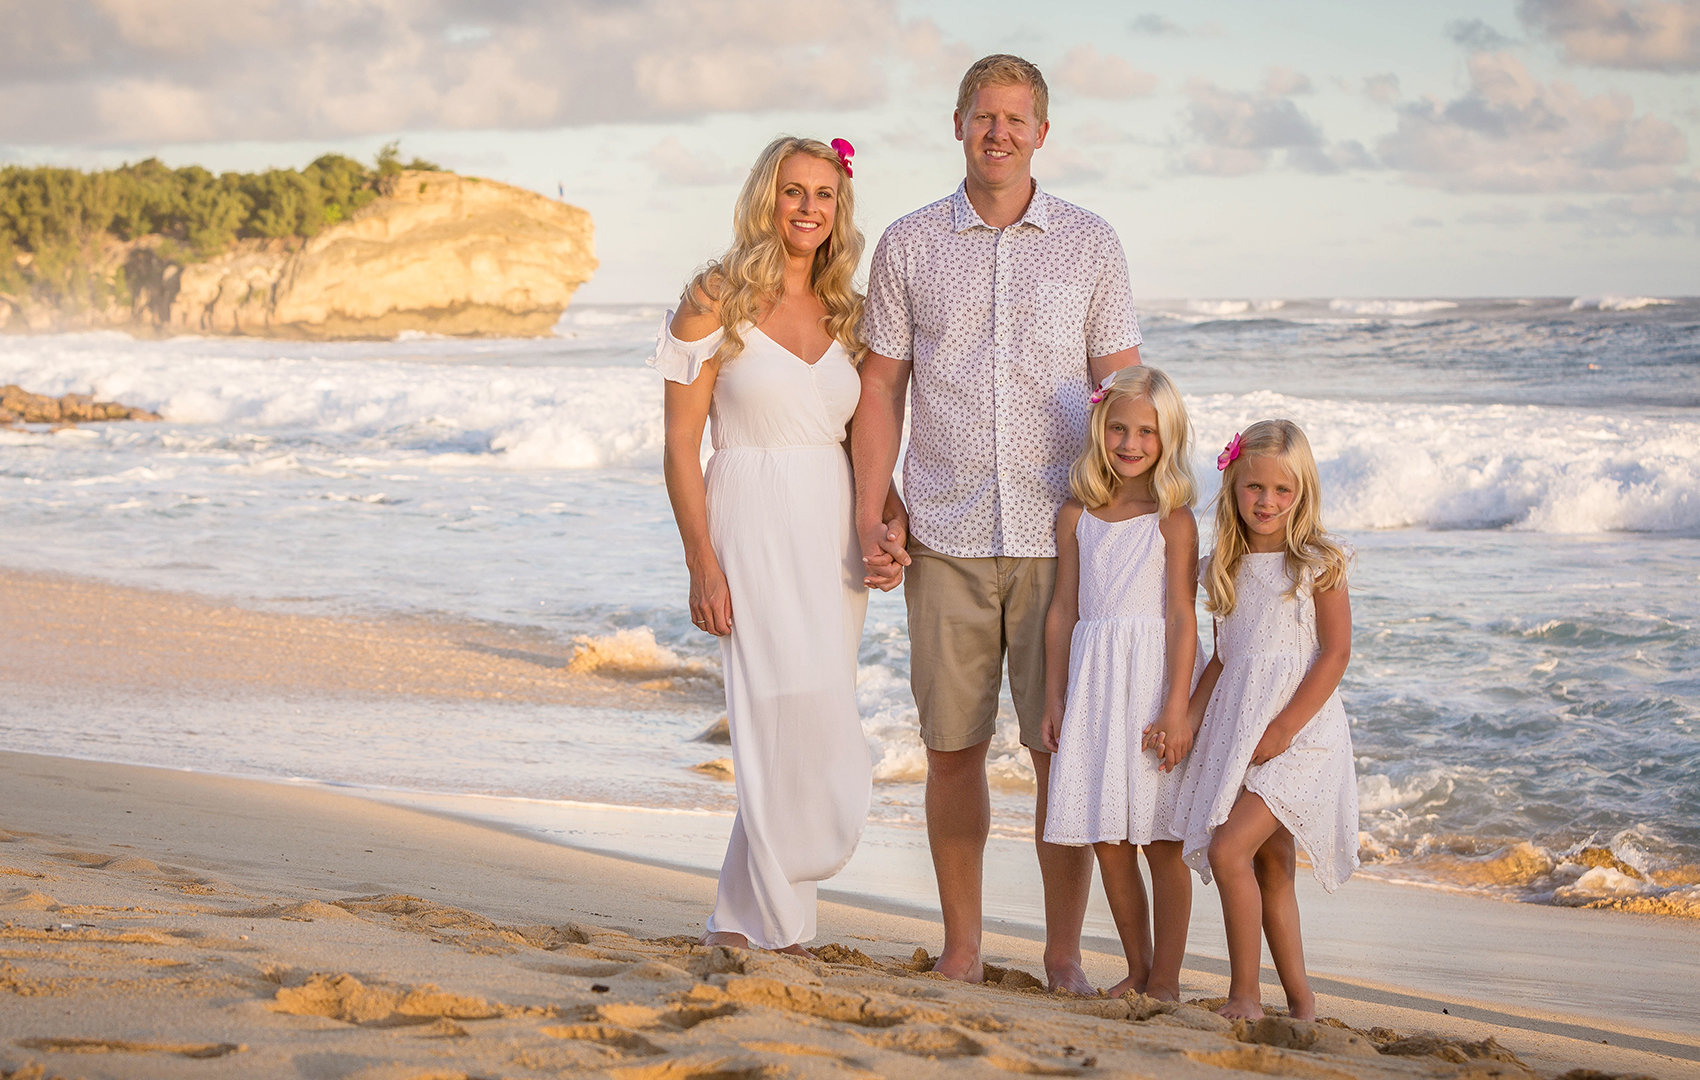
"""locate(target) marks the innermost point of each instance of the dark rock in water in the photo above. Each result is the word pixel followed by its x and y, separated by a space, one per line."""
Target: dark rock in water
pixel 718 732
pixel 18 405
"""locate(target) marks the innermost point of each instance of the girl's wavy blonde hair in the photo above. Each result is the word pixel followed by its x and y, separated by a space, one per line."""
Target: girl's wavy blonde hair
pixel 1093 480
pixel 751 274
pixel 1311 553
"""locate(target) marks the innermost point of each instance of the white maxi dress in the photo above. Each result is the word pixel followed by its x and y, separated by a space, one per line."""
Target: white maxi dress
pixel 1267 645
pixel 781 521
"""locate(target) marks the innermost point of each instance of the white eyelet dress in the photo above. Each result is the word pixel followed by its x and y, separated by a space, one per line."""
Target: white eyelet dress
pixel 1103 786
pixel 1267 644
pixel 781 521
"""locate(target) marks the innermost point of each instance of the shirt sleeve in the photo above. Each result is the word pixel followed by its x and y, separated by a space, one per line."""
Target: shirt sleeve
pixel 681 361
pixel 887 325
pixel 1111 323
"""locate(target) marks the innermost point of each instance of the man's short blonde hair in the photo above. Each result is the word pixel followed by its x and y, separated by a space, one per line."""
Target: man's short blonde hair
pixel 1002 69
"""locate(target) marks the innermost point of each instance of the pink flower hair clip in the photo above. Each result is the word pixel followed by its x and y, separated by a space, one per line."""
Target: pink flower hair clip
pixel 1103 390
pixel 1229 454
pixel 845 152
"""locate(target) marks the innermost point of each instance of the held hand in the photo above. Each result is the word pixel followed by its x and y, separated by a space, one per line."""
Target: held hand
pixel 883 554
pixel 711 601
pixel 1050 729
pixel 1271 746
pixel 1171 736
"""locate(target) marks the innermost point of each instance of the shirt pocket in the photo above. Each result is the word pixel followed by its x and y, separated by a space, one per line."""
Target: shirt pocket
pixel 1059 312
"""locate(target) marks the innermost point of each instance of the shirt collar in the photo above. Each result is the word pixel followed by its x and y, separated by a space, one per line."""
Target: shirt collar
pixel 963 216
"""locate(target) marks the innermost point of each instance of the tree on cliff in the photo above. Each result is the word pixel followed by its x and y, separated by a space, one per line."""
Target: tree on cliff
pixel 55 223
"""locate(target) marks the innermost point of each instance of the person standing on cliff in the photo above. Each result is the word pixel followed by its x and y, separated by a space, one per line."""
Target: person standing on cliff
pixel 1003 306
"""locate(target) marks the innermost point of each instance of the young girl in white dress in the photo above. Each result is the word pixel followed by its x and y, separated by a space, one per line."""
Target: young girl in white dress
pixel 1273 759
pixel 1121 640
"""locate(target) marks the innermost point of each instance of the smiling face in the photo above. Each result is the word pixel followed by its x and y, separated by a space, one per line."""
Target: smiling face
pixel 1264 493
pixel 805 203
pixel 999 133
pixel 1131 437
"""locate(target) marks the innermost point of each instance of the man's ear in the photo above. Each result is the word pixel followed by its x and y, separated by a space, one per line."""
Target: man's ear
pixel 1044 129
pixel 956 121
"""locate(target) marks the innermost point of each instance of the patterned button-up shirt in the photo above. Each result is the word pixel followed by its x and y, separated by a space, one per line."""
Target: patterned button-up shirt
pixel 997 325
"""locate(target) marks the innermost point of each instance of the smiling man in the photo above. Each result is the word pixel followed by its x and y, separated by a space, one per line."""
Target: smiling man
pixel 999 307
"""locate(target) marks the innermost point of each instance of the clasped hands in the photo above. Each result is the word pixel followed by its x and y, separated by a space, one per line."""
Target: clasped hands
pixel 885 552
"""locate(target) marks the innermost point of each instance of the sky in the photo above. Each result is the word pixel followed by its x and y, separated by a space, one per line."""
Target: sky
pixel 1241 148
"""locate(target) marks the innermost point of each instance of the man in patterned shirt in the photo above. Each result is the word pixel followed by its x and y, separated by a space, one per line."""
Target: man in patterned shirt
pixel 999 308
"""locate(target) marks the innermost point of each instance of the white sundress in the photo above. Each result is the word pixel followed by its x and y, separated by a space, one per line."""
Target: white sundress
pixel 1103 786
pixel 781 521
pixel 1267 645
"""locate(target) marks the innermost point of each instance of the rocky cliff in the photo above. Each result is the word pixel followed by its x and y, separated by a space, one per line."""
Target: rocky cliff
pixel 438 252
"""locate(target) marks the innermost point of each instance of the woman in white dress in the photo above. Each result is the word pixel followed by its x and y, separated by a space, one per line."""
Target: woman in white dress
pixel 765 343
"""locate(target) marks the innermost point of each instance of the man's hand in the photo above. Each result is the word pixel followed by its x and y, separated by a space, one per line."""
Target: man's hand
pixel 884 552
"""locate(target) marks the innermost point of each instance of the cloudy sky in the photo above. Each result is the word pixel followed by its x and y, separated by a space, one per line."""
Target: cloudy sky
pixel 1241 147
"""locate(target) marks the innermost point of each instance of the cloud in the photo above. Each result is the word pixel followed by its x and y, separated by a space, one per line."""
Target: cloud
pixel 1655 35
pixel 1382 89
pixel 1665 213
pixel 1476 35
pixel 1285 82
pixel 1070 168
pixel 134 72
pixel 1241 131
pixel 1512 133
pixel 1422 222
pixel 677 164
pixel 1090 73
pixel 1495 215
pixel 1155 25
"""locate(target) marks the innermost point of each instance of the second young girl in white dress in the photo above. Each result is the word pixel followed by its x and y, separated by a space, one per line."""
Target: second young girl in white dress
pixel 1120 645
pixel 1273 760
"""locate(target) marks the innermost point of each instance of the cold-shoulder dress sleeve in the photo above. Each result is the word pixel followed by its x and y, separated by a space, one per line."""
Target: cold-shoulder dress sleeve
pixel 682 361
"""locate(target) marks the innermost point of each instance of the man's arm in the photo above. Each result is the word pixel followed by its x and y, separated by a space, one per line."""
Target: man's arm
pixel 876 432
pixel 1100 366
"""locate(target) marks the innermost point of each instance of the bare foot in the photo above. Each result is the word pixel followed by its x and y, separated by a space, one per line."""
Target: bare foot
pixel 1241 1009
pixel 796 950
pixel 1301 1008
pixel 1069 978
pixel 1129 983
pixel 727 938
pixel 1163 992
pixel 965 968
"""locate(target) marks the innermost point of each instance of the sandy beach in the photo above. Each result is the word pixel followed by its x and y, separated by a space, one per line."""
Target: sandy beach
pixel 168 923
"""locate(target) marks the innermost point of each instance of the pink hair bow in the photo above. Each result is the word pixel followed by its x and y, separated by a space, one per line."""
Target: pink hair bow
pixel 1103 390
pixel 1228 454
pixel 845 152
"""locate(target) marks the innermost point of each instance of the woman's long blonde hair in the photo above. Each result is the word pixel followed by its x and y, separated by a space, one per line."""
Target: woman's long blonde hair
pixel 750 276
pixel 1093 480
pixel 1311 553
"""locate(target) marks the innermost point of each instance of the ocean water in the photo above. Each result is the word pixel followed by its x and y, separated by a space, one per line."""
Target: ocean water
pixel 1520 478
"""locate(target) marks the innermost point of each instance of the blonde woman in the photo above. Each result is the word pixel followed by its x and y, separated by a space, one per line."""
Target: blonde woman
pixel 1273 759
pixel 765 342
pixel 1121 643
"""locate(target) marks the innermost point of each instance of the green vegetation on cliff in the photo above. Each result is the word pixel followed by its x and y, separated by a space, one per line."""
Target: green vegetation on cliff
pixel 55 224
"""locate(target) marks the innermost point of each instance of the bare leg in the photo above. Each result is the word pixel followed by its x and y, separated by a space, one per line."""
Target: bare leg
pixel 1118 867
pixel 1232 848
pixel 1066 873
pixel 1171 906
pixel 959 817
pixel 725 937
pixel 1276 866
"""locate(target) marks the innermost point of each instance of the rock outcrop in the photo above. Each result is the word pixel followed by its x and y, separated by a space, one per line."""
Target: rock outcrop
pixel 438 253
pixel 18 405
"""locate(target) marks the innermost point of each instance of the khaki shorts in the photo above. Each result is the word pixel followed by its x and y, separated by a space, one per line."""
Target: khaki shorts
pixel 964 616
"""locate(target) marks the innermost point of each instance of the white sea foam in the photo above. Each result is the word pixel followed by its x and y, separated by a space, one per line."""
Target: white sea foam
pixel 1466 466
pixel 1389 307
pixel 1616 303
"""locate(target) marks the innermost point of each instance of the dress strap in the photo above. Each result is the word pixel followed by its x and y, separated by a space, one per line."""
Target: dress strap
pixel 682 361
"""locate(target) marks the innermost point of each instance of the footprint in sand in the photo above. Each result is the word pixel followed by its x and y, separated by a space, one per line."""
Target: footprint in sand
pixel 125 1046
